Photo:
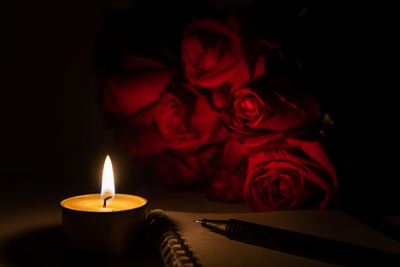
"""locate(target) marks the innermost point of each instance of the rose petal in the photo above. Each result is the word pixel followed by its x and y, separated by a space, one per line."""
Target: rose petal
pixel 212 53
pixel 131 92
pixel 178 173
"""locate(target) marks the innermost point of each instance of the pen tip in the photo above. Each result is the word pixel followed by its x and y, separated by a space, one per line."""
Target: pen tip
pixel 197 221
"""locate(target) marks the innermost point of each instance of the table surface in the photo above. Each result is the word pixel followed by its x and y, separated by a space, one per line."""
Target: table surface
pixel 32 235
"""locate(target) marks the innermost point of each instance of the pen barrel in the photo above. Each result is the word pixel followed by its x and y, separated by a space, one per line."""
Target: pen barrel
pixel 307 245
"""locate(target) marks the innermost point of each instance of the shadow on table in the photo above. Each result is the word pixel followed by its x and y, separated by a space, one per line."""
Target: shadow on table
pixel 45 247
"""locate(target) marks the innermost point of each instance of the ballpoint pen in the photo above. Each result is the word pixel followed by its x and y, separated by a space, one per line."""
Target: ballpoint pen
pixel 301 244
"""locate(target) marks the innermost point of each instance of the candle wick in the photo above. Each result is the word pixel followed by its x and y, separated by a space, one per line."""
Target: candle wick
pixel 105 201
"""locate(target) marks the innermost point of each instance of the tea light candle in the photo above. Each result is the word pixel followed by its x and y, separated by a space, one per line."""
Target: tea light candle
pixel 104 223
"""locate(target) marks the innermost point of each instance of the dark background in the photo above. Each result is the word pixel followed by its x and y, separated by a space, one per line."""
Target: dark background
pixel 55 52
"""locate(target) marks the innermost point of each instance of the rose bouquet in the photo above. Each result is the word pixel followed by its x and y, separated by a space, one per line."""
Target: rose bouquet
pixel 225 121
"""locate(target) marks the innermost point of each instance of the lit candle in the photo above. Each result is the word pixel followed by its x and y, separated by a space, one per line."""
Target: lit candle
pixel 105 222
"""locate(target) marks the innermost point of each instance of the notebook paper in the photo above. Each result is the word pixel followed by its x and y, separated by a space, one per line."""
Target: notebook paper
pixel 213 249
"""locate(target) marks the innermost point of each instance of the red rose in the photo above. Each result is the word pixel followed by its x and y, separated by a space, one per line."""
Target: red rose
pixel 248 109
pixel 179 171
pixel 137 85
pixel 296 174
pixel 213 53
pixel 181 119
pixel 172 118
pixel 227 184
pixel 253 110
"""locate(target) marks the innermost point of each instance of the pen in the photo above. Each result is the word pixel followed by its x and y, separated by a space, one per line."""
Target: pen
pixel 301 244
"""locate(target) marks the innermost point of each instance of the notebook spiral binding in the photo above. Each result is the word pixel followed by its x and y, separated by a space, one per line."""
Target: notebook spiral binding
pixel 172 247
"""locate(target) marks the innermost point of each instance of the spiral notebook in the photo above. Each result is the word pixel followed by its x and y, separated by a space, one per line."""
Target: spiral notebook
pixel 184 243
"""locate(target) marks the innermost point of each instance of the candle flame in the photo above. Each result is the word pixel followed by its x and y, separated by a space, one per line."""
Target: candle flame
pixel 107 184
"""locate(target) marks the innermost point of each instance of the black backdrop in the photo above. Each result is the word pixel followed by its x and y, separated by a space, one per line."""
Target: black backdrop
pixel 54 53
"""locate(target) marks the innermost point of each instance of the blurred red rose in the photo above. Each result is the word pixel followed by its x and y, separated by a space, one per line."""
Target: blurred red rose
pixel 172 118
pixel 138 84
pixel 227 184
pixel 296 174
pixel 213 53
pixel 252 111
pixel 180 171
pixel 181 119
